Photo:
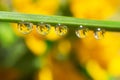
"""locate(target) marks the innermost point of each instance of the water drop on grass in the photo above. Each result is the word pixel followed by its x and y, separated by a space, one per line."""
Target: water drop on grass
pixel 25 27
pixel 61 29
pixel 43 29
pixel 99 33
pixel 81 32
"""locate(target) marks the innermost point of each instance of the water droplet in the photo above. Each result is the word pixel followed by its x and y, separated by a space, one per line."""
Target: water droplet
pixel 43 29
pixel 25 27
pixel 61 29
pixel 99 33
pixel 81 32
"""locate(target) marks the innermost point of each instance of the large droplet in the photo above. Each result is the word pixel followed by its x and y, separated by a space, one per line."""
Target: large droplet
pixel 25 27
pixel 99 33
pixel 43 29
pixel 81 32
pixel 61 29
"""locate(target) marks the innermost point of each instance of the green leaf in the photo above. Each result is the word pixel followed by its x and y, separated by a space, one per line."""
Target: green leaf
pixel 7 36
pixel 70 21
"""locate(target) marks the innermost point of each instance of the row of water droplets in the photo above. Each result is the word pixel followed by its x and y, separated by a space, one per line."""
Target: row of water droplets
pixel 43 29
pixel 82 32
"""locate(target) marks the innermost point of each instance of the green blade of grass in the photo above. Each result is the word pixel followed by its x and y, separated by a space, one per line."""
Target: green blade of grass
pixel 70 21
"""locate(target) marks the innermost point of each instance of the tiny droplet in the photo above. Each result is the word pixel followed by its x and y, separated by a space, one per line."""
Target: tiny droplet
pixel 61 29
pixel 25 27
pixel 43 29
pixel 99 33
pixel 81 32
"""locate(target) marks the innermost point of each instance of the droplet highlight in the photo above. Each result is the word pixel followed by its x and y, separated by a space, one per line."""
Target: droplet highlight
pixel 61 30
pixel 81 32
pixel 25 27
pixel 99 33
pixel 43 29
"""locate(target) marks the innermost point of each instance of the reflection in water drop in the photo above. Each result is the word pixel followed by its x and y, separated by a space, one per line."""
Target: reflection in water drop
pixel 99 33
pixel 81 32
pixel 43 29
pixel 25 27
pixel 61 29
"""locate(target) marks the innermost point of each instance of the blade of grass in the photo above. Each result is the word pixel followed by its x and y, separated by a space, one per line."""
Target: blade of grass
pixel 70 21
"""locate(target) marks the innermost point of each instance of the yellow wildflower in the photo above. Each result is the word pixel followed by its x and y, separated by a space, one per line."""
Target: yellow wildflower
pixel 114 66
pixel 37 46
pixel 66 49
pixel 96 71
pixel 46 7
pixel 100 50
pixel 92 9
pixel 45 74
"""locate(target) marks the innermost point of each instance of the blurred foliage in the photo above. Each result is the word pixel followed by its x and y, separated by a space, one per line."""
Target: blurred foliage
pixel 51 57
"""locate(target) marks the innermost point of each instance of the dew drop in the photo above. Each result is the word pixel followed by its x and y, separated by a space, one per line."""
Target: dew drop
pixel 43 29
pixel 99 33
pixel 81 32
pixel 25 27
pixel 61 29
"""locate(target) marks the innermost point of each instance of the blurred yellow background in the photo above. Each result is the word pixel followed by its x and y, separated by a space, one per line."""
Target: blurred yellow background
pixel 52 57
